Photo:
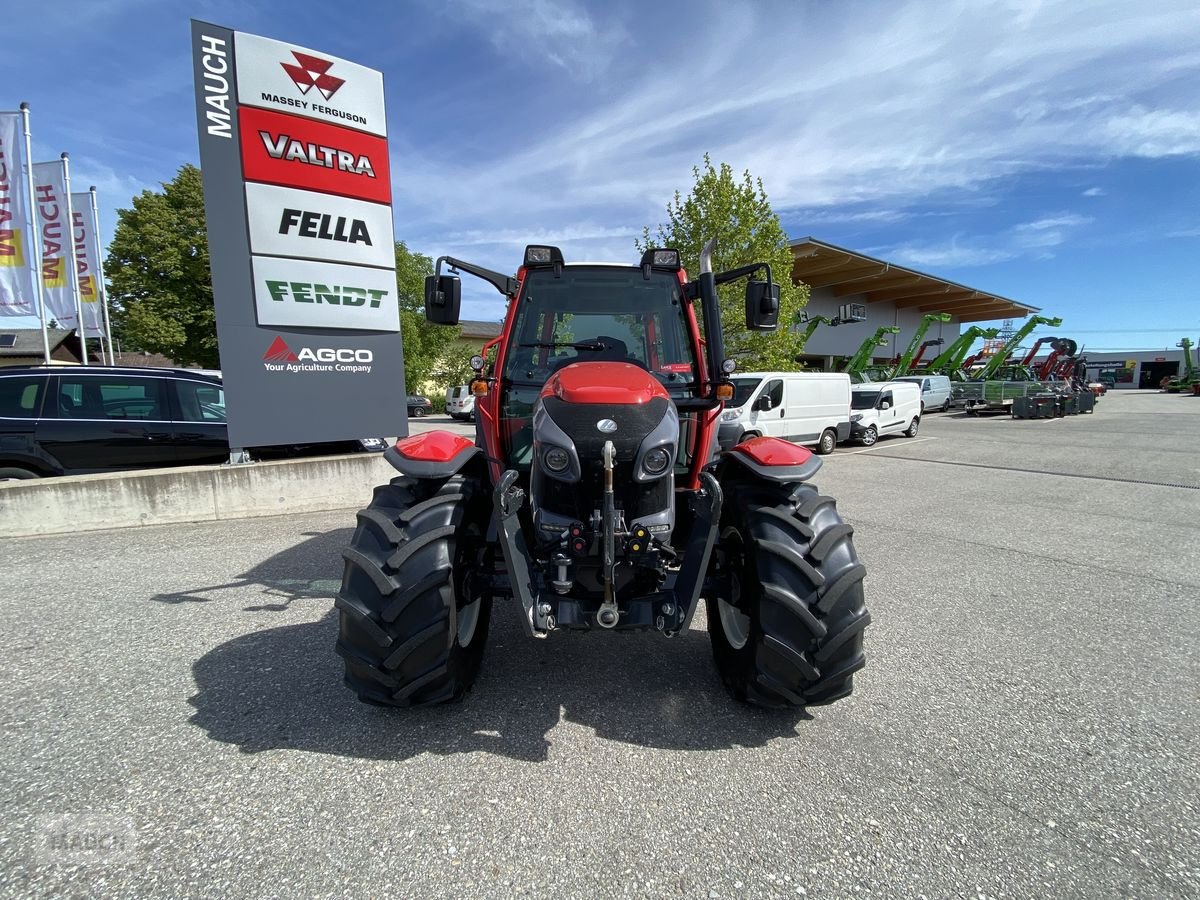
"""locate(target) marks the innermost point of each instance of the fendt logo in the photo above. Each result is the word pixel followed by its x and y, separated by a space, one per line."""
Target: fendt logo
pixel 313 72
pixel 281 358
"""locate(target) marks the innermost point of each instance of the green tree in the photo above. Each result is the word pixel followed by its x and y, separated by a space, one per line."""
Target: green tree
pixel 738 214
pixel 426 346
pixel 157 267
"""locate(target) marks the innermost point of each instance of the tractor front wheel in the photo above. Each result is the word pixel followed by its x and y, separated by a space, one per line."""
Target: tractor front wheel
pixel 786 613
pixel 416 601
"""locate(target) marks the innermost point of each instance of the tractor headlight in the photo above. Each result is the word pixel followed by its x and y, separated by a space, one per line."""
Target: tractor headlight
pixel 556 459
pixel 656 461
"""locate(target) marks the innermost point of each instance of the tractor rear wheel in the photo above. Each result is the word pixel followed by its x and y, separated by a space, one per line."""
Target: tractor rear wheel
pixel 786 616
pixel 415 601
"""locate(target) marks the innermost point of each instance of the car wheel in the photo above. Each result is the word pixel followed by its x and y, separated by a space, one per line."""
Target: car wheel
pixel 912 427
pixel 946 406
pixel 827 442
pixel 870 436
pixel 15 473
pixel 417 412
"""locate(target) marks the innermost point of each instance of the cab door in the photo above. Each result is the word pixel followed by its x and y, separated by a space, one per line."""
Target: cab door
pixel 889 418
pixel 771 416
pixel 200 436
pixel 106 423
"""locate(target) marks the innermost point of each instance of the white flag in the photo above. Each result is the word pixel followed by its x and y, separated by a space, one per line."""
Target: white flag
pixel 50 198
pixel 87 264
pixel 18 291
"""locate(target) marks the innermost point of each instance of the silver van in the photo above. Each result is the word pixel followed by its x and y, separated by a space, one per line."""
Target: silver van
pixel 935 391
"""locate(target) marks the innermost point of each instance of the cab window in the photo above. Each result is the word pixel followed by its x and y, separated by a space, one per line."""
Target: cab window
pixel 111 397
pixel 20 398
pixel 886 398
pixel 774 391
pixel 200 402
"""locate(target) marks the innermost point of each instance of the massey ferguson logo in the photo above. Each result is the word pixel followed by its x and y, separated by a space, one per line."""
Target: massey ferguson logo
pixel 289 148
pixel 282 358
pixel 313 72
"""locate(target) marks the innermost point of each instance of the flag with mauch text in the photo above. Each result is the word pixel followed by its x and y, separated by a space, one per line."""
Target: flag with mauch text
pixel 50 201
pixel 87 264
pixel 18 292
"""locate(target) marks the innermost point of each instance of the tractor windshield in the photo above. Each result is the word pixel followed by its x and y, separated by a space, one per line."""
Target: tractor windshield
pixel 596 314
pixel 592 314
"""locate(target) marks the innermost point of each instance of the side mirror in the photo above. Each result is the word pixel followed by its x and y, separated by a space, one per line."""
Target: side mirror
pixel 763 402
pixel 443 296
pixel 762 306
pixel 885 405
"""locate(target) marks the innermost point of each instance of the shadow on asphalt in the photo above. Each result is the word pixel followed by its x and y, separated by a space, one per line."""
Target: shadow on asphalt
pixel 311 570
pixel 282 689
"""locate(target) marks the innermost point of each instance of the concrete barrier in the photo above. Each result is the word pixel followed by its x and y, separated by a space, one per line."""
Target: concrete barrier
pixel 190 494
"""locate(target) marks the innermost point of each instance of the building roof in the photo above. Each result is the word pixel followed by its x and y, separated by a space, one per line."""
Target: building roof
pixel 850 273
pixel 28 341
pixel 480 330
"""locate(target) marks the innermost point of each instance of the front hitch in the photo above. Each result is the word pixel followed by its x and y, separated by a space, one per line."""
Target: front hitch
pixel 609 614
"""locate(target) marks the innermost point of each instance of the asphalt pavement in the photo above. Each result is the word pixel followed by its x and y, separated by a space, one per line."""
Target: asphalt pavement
pixel 173 722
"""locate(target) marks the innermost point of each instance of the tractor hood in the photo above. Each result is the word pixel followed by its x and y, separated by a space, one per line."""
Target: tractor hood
pixel 607 383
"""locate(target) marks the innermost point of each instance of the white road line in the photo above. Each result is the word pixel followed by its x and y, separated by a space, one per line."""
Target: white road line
pixel 907 443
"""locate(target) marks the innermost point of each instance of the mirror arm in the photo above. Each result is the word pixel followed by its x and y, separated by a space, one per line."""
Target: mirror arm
pixel 505 284
pixel 742 272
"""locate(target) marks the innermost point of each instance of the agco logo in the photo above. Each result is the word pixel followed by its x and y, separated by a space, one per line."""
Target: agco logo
pixel 313 72
pixel 280 357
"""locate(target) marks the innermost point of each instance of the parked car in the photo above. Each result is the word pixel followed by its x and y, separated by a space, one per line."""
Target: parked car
pixel 805 407
pixel 884 407
pixel 460 402
pixel 75 420
pixel 419 406
pixel 935 391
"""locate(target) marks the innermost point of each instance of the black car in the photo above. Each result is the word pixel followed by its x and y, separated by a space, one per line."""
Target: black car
pixel 419 406
pixel 75 420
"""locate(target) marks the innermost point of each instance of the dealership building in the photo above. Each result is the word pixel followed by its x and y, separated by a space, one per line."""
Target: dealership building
pixel 873 293
pixel 1132 369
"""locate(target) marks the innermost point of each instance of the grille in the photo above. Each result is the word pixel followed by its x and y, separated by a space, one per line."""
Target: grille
pixel 634 422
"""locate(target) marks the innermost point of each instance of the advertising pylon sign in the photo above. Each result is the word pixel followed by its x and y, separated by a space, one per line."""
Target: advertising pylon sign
pixel 52 203
pixel 297 188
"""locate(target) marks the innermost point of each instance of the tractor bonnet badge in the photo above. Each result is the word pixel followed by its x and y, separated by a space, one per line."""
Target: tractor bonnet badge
pixel 608 426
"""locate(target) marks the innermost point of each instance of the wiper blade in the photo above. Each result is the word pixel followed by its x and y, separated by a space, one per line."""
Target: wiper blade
pixel 557 345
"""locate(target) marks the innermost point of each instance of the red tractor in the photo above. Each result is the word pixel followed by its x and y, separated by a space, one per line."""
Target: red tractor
pixel 595 496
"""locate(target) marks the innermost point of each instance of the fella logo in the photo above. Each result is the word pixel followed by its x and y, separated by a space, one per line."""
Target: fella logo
pixel 313 72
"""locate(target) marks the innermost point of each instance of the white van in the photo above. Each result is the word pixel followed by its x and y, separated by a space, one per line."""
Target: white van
pixel 804 407
pixel 460 402
pixel 935 391
pixel 884 407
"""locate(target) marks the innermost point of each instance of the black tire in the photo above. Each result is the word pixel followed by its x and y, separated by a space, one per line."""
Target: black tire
pixel 16 473
pixel 869 437
pixel 414 606
pixel 913 427
pixel 827 442
pixel 417 412
pixel 946 406
pixel 787 561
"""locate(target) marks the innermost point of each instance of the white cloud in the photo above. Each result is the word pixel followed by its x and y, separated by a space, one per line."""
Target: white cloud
pixel 1034 239
pixel 918 100
pixel 1184 233
pixel 1095 192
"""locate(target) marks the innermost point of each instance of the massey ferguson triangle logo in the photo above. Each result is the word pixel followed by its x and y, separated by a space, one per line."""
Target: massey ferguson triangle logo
pixel 279 351
pixel 313 72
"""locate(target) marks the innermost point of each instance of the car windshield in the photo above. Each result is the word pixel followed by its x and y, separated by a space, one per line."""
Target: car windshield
pixel 742 389
pixel 864 399
pixel 600 314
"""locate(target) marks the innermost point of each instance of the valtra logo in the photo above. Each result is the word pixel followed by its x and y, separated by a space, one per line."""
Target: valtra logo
pixel 313 72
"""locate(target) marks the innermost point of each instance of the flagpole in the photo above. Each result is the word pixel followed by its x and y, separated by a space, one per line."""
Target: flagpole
pixel 103 289
pixel 35 242
pixel 74 262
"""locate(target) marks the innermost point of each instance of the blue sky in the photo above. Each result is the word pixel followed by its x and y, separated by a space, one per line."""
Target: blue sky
pixel 1048 152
